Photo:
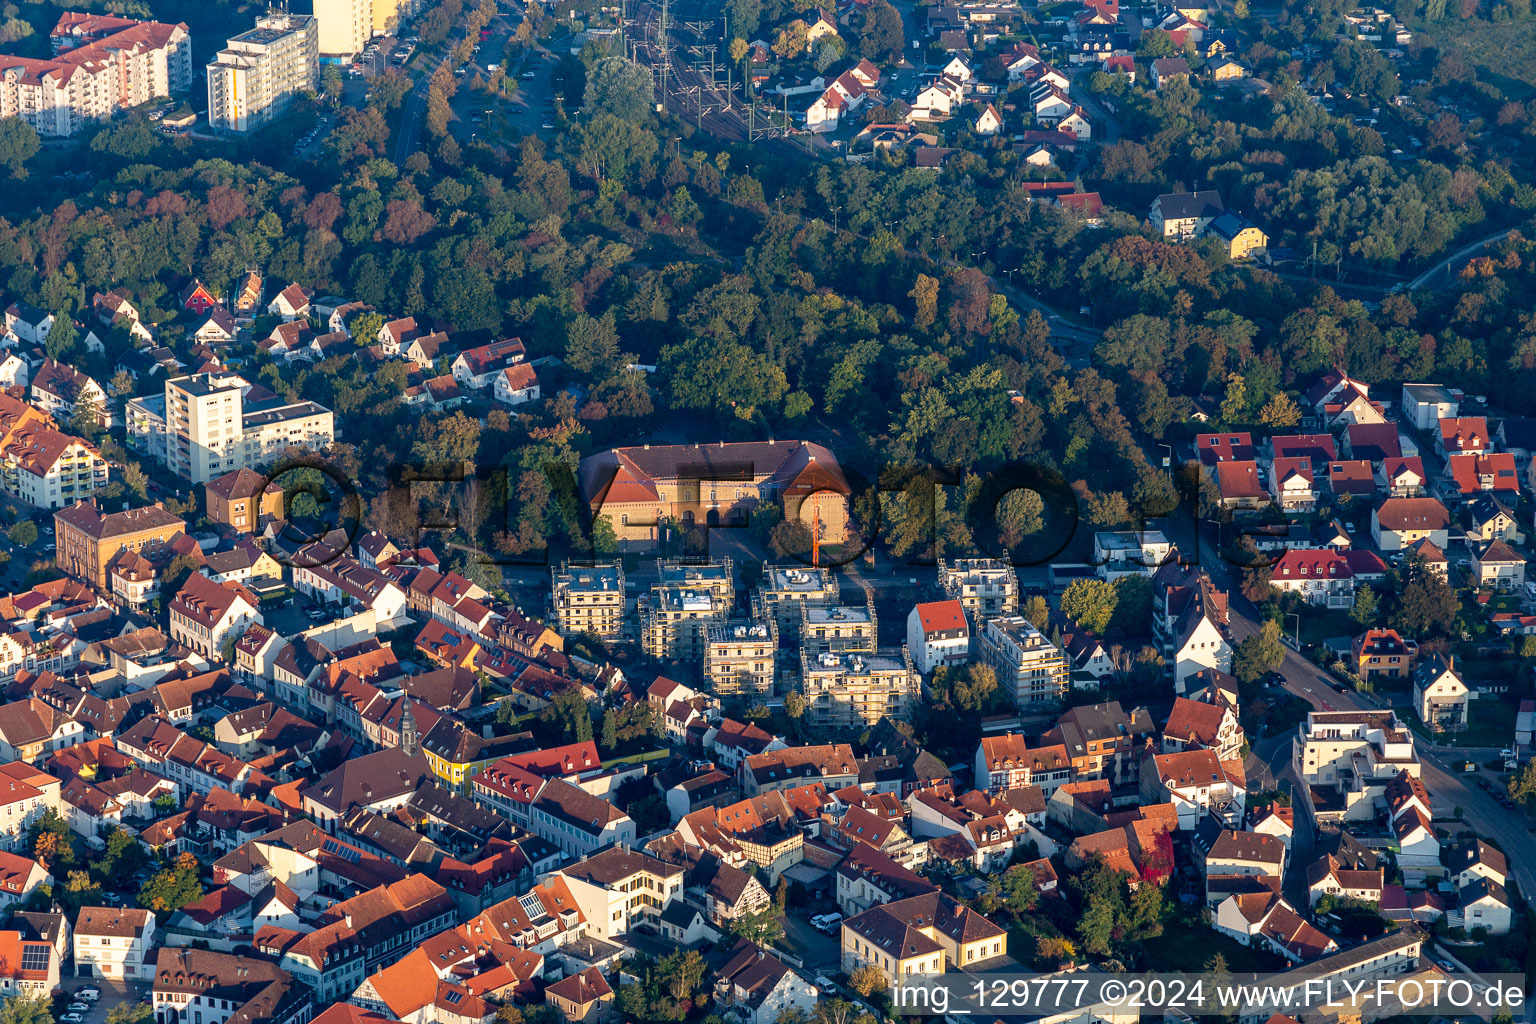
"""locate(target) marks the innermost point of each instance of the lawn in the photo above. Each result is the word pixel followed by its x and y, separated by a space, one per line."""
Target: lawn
pixel 1187 946
pixel 1487 725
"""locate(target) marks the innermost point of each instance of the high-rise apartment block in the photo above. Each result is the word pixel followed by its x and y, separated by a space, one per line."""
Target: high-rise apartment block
pixel 1029 667
pixel 345 26
pixel 254 78
pixel 218 422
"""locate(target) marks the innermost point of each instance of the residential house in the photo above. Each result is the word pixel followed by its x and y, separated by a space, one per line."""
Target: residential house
pixel 755 987
pixel 292 303
pixel 206 615
pixel 1189 621
pixel 938 634
pixel 1237 484
pixel 1196 725
pixel 1321 576
pixel 920 935
pixel 1240 237
pixel 1382 654
pixel 1197 783
pixel 1439 695
pixel 1463 435
pixel 1486 473
pixel 59 390
pixel 1005 763
pixel 1166 69
pixel 1483 904
pixel 1399 522
pixel 1497 565
pixel 1232 447
pixel 1402 478
pixel 516 385
pixel 1486 518
pixel 1328 877
pixel 1292 483
pixel 115 943
pixel 244 500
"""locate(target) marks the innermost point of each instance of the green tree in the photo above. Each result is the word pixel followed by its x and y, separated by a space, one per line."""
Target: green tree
pixel 1133 605
pixel 23 533
pixel 19 142
pixel 1020 513
pixel 1234 405
pixel 794 704
pixel 791 40
pixel 1090 603
pixel 1280 411
pixel 882 36
pixel 1363 612
pixel 1522 784
pixel 1426 603
pixel 1259 654
pixel 172 888
pixel 622 88
pixel 26 1009
pixel 177 570
pixel 866 980
pixel 1037 611
pixel 1019 890
pixel 760 927
pixel 365 328
pixel 130 1013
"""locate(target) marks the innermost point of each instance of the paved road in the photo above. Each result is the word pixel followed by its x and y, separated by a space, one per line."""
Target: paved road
pixel 1458 257
pixel 415 107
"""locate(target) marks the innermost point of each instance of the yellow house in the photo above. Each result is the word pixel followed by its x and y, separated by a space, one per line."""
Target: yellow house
pixel 1227 70
pixel 456 755
pixel 1241 236
pixel 921 935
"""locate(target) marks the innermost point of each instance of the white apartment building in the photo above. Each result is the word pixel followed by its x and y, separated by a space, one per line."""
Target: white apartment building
pixel 49 469
pixel 1028 666
pixel 345 26
pixel 938 634
pixel 115 942
pixel 205 614
pixel 218 422
pixel 855 691
pixel 144 417
pixel 1355 753
pixel 739 657
pixel 102 63
pixel 252 80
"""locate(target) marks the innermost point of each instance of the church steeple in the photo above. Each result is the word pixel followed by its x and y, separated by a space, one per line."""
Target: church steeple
pixel 410 739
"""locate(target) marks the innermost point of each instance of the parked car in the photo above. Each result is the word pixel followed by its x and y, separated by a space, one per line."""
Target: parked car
pixel 79 1007
pixel 90 993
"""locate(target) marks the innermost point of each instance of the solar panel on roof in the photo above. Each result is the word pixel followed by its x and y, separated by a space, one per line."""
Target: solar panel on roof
pixel 34 957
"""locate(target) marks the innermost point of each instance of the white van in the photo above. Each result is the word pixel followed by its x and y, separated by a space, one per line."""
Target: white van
pixel 826 922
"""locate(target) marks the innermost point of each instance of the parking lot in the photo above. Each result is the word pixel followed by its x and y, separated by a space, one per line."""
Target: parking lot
pixel 820 952
pixel 113 993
